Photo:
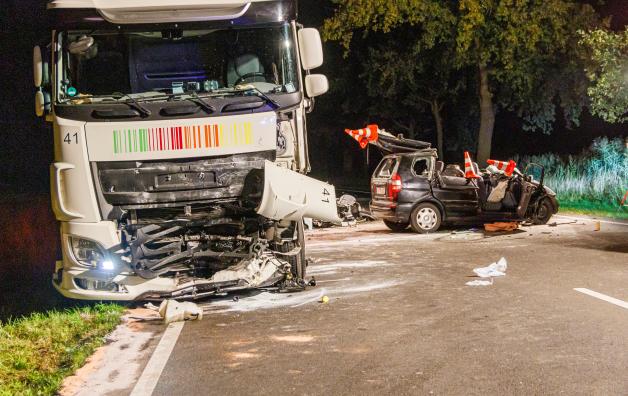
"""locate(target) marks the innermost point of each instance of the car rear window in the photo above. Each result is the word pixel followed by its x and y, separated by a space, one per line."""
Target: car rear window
pixel 386 167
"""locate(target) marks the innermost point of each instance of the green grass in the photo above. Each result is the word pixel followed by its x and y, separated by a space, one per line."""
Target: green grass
pixel 38 351
pixel 592 182
pixel 593 208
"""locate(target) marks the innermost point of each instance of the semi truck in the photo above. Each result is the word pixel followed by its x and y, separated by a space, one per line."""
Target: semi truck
pixel 180 145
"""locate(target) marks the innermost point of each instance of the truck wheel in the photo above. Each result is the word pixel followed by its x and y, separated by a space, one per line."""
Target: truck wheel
pixel 543 213
pixel 425 218
pixel 396 227
pixel 298 263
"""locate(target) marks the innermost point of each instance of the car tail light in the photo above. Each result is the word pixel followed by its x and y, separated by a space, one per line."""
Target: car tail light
pixel 394 186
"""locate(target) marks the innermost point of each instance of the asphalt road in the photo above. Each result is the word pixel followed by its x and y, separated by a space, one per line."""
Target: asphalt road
pixel 401 320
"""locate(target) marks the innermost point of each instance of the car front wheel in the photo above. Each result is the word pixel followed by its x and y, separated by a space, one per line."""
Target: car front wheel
pixel 543 213
pixel 425 218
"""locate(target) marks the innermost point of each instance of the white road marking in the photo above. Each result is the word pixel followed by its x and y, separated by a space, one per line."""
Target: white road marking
pixel 592 220
pixel 150 376
pixel 604 297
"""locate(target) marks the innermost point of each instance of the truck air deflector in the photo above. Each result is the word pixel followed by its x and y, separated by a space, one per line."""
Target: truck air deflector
pixel 189 138
pixel 288 195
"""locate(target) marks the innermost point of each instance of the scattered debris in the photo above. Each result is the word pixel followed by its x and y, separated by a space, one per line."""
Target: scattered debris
pixel 174 311
pixel 501 226
pixel 495 269
pixel 324 299
pixel 480 282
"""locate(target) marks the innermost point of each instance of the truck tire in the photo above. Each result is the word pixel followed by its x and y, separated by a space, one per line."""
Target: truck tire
pixel 425 218
pixel 543 212
pixel 396 227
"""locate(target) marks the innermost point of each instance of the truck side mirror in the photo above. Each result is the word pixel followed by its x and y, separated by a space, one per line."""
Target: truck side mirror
pixel 316 85
pixel 310 48
pixel 38 67
pixel 41 80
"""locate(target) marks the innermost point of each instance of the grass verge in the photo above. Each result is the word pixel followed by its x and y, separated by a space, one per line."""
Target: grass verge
pixel 38 351
pixel 593 208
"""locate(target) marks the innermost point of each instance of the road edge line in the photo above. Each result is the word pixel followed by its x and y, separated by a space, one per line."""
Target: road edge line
pixel 592 220
pixel 603 297
pixel 147 382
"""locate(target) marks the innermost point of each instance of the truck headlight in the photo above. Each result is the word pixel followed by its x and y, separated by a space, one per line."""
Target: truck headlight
pixel 90 254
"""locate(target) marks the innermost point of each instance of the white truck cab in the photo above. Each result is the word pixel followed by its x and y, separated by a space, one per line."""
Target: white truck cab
pixel 180 145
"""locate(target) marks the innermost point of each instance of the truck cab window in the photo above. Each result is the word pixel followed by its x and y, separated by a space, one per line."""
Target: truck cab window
pixel 99 63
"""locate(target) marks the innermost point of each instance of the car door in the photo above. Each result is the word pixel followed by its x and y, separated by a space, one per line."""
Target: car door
pixel 458 194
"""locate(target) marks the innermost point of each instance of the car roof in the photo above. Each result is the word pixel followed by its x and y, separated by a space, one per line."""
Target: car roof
pixel 419 153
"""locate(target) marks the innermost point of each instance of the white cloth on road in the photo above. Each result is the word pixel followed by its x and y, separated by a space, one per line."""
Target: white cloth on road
pixel 495 269
pixel 480 282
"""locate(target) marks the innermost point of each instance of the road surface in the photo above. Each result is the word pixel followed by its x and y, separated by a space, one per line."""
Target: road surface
pixel 401 320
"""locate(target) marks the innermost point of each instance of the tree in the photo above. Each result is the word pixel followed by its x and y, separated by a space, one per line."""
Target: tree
pixel 524 52
pixel 608 71
pixel 404 76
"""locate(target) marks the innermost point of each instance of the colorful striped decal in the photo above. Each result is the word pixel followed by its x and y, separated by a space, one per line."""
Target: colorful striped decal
pixel 192 137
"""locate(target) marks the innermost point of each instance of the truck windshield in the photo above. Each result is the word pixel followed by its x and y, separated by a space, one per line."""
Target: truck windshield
pixel 153 63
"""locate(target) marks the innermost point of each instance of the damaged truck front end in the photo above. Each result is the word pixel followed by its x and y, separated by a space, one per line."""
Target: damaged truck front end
pixel 189 181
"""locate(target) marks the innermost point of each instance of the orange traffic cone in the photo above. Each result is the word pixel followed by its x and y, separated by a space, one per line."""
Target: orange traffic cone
pixel 507 167
pixel 469 172
pixel 365 135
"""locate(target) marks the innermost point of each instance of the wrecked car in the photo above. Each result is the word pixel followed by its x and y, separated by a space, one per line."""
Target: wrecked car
pixel 413 188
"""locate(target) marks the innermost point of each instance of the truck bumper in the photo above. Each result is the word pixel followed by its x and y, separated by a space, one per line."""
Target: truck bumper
pixel 74 280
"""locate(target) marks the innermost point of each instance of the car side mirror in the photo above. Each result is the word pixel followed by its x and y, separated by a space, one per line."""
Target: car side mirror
pixel 316 85
pixel 310 48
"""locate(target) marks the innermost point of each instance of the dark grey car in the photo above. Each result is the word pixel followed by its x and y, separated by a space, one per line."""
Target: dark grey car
pixel 415 189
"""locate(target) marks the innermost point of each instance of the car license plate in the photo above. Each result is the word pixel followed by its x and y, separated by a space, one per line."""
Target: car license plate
pixel 380 190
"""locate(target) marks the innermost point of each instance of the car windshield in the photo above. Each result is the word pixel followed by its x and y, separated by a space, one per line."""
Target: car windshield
pixel 153 63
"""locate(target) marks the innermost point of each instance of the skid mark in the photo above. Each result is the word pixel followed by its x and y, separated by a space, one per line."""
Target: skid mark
pixel 294 338
pixel 332 268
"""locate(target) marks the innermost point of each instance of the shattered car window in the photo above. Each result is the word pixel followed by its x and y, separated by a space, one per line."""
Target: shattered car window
pixel 387 167
pixel 421 167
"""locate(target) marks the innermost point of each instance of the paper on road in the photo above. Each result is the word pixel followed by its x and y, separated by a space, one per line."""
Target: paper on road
pixel 495 269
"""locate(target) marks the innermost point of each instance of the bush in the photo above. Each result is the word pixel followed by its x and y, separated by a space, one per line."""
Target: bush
pixel 596 178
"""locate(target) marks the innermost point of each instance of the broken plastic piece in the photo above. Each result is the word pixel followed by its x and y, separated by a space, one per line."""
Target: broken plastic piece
pixel 174 311
pixel 495 269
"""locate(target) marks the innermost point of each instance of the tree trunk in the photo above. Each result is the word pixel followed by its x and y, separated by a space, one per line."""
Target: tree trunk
pixel 487 118
pixel 438 119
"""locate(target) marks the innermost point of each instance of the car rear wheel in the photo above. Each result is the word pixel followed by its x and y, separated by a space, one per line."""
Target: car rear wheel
pixel 543 212
pixel 396 227
pixel 425 218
